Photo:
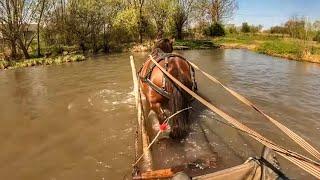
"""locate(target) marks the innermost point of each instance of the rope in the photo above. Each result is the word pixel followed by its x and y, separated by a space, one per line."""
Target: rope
pixel 302 162
pixel 158 134
pixel 299 140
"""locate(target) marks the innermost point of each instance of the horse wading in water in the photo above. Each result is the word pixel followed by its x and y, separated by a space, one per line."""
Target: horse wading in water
pixel 162 95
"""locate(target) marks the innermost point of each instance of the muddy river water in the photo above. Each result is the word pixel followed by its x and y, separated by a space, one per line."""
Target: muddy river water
pixel 77 121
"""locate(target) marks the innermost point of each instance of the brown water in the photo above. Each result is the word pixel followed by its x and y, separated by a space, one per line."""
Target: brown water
pixel 76 121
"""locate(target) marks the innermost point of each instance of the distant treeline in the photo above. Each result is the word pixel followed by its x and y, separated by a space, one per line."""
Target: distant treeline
pixel 295 27
pixel 35 28
pixel 44 27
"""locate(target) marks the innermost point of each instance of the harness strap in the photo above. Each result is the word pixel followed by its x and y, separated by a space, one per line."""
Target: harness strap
pixel 156 88
pixel 164 77
pixel 162 91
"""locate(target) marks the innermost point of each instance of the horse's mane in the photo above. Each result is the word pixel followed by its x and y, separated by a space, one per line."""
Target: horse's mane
pixel 163 46
pixel 157 52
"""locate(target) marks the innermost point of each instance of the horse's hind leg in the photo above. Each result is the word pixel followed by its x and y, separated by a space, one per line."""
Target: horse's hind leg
pixel 157 107
pixel 161 116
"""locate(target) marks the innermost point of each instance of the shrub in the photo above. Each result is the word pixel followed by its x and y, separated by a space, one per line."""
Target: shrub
pixel 125 25
pixel 317 37
pixel 232 30
pixel 215 30
pixel 245 27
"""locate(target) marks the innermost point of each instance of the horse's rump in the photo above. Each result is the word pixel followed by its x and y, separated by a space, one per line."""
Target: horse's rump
pixel 161 91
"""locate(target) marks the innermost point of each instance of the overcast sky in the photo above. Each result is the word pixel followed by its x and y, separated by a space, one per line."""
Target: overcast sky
pixel 274 12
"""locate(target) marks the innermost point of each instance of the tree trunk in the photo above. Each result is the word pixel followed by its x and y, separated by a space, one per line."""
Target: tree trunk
pixel 140 37
pixel 13 49
pixel 24 49
pixel 38 40
pixel 179 31
pixel 160 33
pixel 140 26
pixel 82 47
pixel 38 28
pixel 105 43
pixel 94 41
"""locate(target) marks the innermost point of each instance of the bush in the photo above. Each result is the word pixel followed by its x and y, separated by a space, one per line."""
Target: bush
pixel 317 37
pixel 232 30
pixel 215 30
pixel 245 28
pixel 125 25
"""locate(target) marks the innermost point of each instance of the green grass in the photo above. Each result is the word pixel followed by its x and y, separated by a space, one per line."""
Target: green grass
pixel 273 45
pixel 195 44
pixel 280 47
pixel 245 38
pixel 40 61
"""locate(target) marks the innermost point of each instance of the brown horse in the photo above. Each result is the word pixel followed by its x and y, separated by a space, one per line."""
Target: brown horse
pixel 163 95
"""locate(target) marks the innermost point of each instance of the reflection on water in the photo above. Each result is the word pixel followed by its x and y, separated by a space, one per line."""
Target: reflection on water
pixel 76 121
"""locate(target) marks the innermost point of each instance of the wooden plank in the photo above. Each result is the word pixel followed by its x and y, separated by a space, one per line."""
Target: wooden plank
pixel 158 174
pixel 147 159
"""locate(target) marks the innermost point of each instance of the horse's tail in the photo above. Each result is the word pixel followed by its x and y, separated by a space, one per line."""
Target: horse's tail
pixel 179 100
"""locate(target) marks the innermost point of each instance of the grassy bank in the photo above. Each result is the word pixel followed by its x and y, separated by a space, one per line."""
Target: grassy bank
pixel 178 45
pixel 40 61
pixel 278 46
pixel 194 44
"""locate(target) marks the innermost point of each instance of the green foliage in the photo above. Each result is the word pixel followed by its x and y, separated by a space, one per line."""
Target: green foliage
pixel 232 30
pixel 317 37
pixel 125 25
pixel 160 11
pixel 245 28
pixel 215 30
pixel 296 28
pixel 195 44
pixel 278 30
pixel 280 47
pixel 255 29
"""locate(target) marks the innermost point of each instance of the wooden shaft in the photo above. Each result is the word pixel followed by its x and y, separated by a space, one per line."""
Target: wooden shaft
pixel 147 158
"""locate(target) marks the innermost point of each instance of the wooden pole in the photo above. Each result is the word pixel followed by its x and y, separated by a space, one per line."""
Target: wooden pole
pixel 147 159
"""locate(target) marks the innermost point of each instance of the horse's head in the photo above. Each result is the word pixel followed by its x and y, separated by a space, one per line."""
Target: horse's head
pixel 166 45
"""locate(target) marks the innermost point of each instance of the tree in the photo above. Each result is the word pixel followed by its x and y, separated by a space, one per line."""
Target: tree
pixel 216 30
pixel 42 7
pixel 278 30
pixel 316 25
pixel 317 37
pixel 160 10
pixel 125 25
pixel 139 6
pixel 255 29
pixel 181 12
pixel 296 27
pixel 218 10
pixel 85 22
pixel 15 18
pixel 245 28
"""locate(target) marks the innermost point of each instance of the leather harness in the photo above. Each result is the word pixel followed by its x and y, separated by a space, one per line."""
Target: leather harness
pixel 160 57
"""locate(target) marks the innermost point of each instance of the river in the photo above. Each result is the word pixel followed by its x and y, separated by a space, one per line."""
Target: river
pixel 77 120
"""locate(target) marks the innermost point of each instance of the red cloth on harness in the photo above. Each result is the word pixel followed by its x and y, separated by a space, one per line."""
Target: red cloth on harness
pixel 164 126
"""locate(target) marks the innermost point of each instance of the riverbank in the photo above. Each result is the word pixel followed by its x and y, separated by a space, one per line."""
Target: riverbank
pixel 41 61
pixel 278 46
pixel 178 45
pixel 293 49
